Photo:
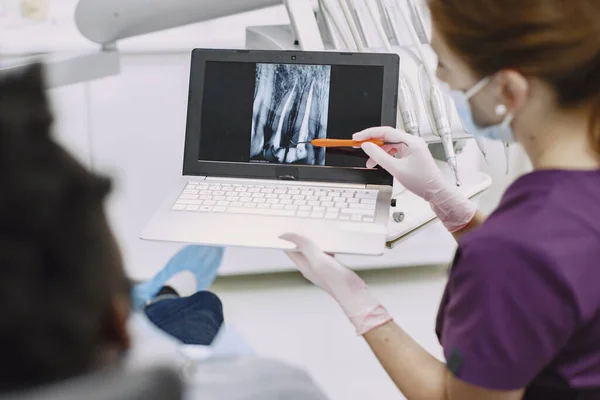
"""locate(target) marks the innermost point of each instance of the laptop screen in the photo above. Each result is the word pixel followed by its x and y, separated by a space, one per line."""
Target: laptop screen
pixel 265 114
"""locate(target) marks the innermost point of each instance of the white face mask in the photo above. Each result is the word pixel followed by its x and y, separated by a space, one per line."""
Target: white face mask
pixel 502 131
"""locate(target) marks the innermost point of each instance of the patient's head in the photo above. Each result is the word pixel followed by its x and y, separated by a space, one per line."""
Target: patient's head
pixel 63 292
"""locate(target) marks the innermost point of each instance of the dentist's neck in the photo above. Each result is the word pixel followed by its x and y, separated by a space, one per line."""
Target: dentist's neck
pixel 561 141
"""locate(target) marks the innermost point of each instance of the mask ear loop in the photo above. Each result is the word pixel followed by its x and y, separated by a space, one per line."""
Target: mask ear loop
pixel 478 87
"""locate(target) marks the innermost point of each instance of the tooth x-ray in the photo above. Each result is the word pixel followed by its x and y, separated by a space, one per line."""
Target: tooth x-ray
pixel 291 106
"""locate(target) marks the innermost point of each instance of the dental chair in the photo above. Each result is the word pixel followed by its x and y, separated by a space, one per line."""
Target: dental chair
pixel 151 384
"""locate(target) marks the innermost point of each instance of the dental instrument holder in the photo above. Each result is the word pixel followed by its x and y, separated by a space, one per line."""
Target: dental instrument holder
pixel 283 37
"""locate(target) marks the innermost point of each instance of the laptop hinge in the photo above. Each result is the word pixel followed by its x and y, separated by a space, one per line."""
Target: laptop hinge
pixel 286 182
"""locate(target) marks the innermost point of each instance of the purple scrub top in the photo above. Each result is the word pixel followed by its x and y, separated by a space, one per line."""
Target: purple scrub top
pixel 522 305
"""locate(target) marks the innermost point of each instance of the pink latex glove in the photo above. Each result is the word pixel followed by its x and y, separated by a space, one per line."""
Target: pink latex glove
pixel 345 286
pixel 413 166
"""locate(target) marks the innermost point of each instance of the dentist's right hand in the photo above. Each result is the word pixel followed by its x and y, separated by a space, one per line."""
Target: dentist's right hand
pixel 411 163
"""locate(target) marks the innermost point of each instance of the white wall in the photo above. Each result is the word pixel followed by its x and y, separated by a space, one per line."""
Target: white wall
pixel 71 125
pixel 137 130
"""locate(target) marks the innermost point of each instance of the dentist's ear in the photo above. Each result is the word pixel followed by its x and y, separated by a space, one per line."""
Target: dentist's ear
pixel 515 90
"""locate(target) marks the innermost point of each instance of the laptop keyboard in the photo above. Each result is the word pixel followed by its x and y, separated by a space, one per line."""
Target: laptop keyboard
pixel 286 201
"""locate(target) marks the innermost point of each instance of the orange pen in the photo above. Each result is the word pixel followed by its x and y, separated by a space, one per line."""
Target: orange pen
pixel 343 142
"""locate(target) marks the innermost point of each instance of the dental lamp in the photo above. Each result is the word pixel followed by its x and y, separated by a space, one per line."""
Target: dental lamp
pixel 107 21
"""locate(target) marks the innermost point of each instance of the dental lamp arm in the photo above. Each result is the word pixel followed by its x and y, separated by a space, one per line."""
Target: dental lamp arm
pixel 107 21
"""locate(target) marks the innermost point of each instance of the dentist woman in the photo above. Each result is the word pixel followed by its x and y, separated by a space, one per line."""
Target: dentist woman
pixel 520 317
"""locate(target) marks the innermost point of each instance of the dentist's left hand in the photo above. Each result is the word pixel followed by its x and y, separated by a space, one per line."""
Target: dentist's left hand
pixel 346 287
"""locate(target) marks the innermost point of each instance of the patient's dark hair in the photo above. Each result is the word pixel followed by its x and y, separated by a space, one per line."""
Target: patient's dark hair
pixel 60 266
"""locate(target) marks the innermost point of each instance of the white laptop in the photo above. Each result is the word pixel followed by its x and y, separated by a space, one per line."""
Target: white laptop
pixel 249 176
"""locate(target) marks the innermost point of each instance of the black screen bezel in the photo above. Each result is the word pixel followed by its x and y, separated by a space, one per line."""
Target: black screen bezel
pixel 192 166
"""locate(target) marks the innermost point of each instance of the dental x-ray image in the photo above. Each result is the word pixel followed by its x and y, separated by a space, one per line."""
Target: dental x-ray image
pixel 291 106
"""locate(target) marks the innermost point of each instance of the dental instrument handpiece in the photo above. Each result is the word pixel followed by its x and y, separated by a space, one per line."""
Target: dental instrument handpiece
pixel 444 129
pixel 406 105
pixel 352 26
pixel 408 109
pixel 506 146
pixel 481 146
